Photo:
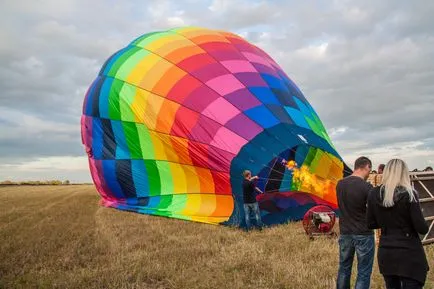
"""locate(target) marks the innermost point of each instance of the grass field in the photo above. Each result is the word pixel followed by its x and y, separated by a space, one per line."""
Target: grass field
pixel 59 237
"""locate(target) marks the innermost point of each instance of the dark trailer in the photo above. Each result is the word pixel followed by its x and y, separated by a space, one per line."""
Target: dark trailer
pixel 423 182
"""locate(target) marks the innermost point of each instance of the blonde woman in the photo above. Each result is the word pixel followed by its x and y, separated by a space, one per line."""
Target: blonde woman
pixel 394 207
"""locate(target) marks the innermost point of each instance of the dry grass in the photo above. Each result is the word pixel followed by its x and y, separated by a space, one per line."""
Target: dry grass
pixel 58 237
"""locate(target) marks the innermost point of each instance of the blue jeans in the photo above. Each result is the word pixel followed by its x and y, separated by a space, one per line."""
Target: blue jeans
pixel 252 209
pixel 364 247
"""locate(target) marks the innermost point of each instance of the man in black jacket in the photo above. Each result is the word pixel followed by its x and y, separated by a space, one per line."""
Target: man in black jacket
pixel 352 193
pixel 251 206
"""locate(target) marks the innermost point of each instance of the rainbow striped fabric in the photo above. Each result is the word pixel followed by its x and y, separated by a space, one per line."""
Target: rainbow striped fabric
pixel 174 118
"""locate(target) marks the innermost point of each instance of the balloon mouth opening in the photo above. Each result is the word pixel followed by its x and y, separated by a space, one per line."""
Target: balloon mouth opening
pixel 292 184
pixel 284 174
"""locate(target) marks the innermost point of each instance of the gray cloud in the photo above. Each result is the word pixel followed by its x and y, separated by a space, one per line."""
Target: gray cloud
pixel 366 67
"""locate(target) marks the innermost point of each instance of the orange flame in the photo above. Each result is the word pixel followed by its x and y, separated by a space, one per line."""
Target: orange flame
pixel 291 165
pixel 306 181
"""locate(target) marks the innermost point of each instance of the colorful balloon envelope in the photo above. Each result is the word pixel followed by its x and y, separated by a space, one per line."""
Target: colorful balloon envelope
pixel 174 118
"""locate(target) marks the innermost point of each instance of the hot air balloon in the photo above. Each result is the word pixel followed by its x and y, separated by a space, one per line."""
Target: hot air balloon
pixel 173 119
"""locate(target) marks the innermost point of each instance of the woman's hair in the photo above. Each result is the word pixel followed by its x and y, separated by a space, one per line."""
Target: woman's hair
pixel 396 174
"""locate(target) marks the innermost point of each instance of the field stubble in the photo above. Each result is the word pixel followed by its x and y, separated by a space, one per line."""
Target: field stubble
pixel 59 237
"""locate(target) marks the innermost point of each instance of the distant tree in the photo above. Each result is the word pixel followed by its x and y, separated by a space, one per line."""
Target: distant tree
pixel 36 183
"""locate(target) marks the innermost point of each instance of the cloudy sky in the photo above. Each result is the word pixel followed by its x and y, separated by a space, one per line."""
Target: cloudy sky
pixel 367 67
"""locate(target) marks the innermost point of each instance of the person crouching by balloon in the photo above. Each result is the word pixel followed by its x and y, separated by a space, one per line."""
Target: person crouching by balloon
pixel 251 206
pixel 394 207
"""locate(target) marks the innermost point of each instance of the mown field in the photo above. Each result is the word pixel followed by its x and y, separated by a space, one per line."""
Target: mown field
pixel 59 237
